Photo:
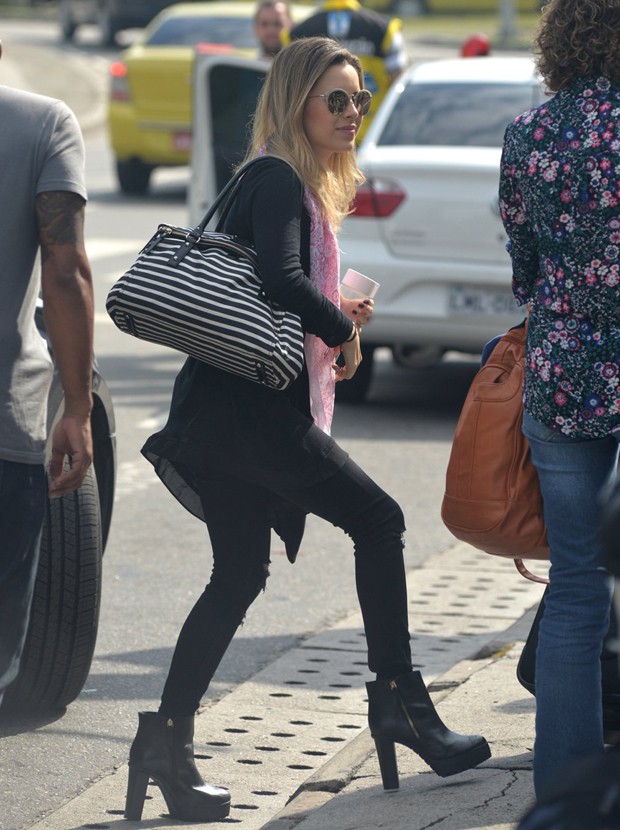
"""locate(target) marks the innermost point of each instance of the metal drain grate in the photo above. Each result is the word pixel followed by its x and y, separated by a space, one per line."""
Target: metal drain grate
pixel 267 737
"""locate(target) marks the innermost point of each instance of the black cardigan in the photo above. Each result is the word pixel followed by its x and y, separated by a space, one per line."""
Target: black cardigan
pixel 222 424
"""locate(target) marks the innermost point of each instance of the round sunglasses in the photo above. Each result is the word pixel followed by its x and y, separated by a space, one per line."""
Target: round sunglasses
pixel 338 100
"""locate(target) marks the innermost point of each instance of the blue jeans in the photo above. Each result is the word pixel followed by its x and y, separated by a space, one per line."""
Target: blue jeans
pixel 569 719
pixel 22 512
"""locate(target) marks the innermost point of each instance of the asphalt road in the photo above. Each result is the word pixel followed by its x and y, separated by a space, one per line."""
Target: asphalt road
pixel 158 557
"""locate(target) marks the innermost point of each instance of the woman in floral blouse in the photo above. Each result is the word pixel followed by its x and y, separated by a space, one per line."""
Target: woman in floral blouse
pixel 560 203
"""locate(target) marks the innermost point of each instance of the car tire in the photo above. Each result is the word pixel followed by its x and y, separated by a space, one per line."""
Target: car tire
pixel 67 26
pixel 417 357
pixel 65 607
pixel 354 391
pixel 133 176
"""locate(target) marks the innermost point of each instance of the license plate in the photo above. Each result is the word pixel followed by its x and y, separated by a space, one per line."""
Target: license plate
pixel 182 141
pixel 480 302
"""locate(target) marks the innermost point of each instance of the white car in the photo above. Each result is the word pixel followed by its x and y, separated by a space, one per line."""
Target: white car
pixel 426 224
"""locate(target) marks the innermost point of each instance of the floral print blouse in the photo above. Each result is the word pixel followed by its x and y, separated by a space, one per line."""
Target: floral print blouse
pixel 560 204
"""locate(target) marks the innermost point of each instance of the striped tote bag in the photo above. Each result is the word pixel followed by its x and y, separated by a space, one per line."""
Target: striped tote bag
pixel 200 292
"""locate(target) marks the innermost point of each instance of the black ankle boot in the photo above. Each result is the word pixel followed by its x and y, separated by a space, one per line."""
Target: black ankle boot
pixel 163 750
pixel 401 711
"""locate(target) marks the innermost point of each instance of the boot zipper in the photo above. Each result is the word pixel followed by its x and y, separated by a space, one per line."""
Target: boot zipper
pixel 170 747
pixel 394 688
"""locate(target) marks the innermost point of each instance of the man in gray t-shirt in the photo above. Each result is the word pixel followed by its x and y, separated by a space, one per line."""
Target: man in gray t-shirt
pixel 42 204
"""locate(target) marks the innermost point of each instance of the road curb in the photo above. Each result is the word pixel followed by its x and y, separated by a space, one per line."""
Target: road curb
pixel 340 769
pixel 287 720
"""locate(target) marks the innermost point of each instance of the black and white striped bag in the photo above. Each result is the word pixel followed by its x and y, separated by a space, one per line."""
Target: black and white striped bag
pixel 200 292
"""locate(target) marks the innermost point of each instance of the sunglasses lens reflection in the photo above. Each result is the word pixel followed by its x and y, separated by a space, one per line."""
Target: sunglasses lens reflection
pixel 362 101
pixel 338 101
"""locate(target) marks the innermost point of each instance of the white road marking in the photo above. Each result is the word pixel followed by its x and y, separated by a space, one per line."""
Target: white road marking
pixel 101 247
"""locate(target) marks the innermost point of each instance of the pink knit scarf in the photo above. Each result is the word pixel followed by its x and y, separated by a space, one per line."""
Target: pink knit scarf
pixel 324 274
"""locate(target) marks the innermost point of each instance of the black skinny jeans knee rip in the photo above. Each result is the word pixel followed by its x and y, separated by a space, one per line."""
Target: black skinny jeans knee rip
pixel 237 516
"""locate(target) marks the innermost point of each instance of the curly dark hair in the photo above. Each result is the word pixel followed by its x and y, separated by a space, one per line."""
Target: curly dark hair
pixel 578 39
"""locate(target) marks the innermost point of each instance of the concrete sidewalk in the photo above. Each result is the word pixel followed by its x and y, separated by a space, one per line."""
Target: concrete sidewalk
pixel 478 696
pixel 293 746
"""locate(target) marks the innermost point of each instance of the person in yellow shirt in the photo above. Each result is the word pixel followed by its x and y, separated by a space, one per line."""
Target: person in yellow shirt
pixel 377 41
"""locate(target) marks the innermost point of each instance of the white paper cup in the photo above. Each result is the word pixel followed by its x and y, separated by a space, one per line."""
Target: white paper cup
pixel 356 286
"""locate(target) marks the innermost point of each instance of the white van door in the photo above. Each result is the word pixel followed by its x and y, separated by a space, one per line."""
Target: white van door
pixel 226 90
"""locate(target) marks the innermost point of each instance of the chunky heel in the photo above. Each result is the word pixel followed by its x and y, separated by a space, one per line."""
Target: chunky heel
pixel 163 751
pixel 136 794
pixel 386 753
pixel 401 711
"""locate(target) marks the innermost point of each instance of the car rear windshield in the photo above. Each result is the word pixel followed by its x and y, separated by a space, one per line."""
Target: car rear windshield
pixel 189 31
pixel 456 115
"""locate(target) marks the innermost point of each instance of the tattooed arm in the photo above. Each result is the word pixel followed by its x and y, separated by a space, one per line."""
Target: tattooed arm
pixel 68 304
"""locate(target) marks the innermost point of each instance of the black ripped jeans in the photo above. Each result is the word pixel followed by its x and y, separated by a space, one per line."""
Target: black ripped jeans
pixel 238 519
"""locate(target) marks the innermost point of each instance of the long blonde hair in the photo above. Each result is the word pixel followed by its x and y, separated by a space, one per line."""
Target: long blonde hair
pixel 278 122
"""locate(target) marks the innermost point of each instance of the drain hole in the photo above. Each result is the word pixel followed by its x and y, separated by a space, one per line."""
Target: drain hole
pixel 236 731
pixel 283 734
pixel 350 673
pixel 313 752
pixel 267 748
pixel 301 722
pixel 332 739
pixel 299 766
pixel 217 743
pixel 249 717
pixel 294 682
pixel 279 694
pixel 248 761
pixel 257 792
pixel 308 671
pixel 203 757
pixel 348 726
pixel 329 697
pixel 244 806
pixel 317 660
pixel 339 685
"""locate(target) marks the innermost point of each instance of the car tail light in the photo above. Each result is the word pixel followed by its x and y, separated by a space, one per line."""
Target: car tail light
pixel 214 48
pixel 119 86
pixel 378 198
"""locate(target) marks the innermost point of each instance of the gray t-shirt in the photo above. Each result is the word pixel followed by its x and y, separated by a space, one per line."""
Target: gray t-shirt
pixel 41 149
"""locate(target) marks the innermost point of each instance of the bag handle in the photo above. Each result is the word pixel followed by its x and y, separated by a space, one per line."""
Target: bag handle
pixel 230 188
pixel 228 193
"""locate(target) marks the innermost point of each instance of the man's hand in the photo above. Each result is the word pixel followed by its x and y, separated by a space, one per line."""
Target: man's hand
pixel 68 305
pixel 71 439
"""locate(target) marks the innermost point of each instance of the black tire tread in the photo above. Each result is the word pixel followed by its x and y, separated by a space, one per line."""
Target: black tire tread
pixel 65 609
